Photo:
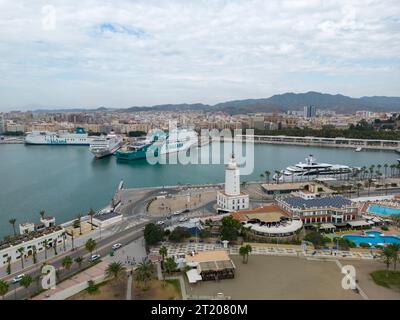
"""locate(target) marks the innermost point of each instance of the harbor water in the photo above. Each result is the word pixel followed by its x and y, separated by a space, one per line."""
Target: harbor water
pixel 67 180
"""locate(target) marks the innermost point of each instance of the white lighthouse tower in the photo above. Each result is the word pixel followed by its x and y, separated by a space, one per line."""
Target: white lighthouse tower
pixel 231 199
pixel 232 178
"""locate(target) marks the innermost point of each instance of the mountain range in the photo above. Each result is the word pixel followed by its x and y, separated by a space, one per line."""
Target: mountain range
pixel 279 102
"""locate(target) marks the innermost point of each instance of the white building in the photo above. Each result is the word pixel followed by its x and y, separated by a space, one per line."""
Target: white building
pixel 231 199
pixel 28 242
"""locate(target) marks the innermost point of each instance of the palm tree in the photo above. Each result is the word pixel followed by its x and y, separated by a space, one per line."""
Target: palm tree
pixel 387 255
pixel 21 251
pixel 79 217
pixel 395 248
pixel 67 262
pixel 26 281
pixel 267 175
pixel 9 265
pixel 3 288
pixel 55 246
pixel 72 239
pixel 90 245
pixel 170 265
pixel 244 252
pixel 358 185
pixel 369 185
pixel 91 214
pixel 42 213
pixel 34 254
pixel 392 167
pixel 46 246
pixel 386 167
pixel 278 175
pixel 79 261
pixel 115 269
pixel 12 222
pixel 262 176
pixel 144 272
pixel 163 253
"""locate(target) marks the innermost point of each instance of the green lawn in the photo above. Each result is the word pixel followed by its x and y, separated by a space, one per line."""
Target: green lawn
pixel 388 279
pixel 176 284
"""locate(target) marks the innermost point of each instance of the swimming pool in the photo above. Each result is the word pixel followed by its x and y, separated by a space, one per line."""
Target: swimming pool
pixel 373 238
pixel 386 211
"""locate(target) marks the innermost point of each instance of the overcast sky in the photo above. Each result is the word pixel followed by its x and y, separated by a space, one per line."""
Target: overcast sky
pixel 78 53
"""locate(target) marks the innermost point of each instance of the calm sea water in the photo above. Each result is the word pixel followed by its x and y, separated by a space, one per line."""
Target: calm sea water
pixel 67 180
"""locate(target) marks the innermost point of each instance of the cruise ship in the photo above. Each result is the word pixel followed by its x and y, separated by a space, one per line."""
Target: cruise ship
pixel 311 170
pixel 62 137
pixel 105 145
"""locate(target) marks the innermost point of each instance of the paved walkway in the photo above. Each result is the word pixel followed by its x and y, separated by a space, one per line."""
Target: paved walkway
pixel 175 249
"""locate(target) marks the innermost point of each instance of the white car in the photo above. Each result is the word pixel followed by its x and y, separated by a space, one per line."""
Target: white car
pixel 183 219
pixel 18 278
pixel 160 223
pixel 94 257
pixel 116 246
pixel 176 213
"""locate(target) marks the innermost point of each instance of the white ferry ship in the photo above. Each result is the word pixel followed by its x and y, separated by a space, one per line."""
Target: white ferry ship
pixel 105 145
pixel 311 170
pixel 175 141
pixel 62 137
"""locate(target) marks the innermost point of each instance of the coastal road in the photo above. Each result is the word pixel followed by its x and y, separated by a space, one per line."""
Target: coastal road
pixel 103 248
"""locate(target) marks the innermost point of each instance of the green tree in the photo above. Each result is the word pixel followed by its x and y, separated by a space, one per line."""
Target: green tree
pixel 46 247
pixel 91 214
pixel 178 234
pixel 21 251
pixel 267 175
pixel 67 262
pixel 244 251
pixel 395 248
pixel 90 245
pixel 26 281
pixel 79 218
pixel 387 255
pixel 79 261
pixel 9 265
pixel 92 288
pixel 153 234
pixel 144 273
pixel 12 222
pixel 4 286
pixel 315 238
pixel 115 269
pixel 42 214
pixel 230 228
pixel 34 254
pixel 170 265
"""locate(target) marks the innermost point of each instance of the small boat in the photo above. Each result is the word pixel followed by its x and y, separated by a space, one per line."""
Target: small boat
pixel 358 149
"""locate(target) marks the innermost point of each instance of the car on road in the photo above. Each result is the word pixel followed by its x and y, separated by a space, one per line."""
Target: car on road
pixel 116 246
pixel 176 213
pixel 160 223
pixel 186 211
pixel 94 257
pixel 18 278
pixel 183 219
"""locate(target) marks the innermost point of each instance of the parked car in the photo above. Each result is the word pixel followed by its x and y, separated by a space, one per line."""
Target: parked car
pixel 116 246
pixel 183 219
pixel 94 257
pixel 160 223
pixel 18 278
pixel 176 213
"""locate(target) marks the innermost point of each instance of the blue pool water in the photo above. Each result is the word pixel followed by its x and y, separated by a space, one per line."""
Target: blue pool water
pixel 373 238
pixel 386 211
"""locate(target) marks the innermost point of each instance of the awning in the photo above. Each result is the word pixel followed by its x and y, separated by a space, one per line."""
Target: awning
pixel 359 223
pixel 327 226
pixel 193 276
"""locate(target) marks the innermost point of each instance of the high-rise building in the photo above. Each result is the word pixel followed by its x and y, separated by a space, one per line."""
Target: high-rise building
pixel 310 111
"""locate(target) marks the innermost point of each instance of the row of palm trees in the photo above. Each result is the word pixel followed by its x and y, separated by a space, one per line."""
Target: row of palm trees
pixel 42 213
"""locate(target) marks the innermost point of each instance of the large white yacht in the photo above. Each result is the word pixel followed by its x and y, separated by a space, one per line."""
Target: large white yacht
pixel 311 170
pixel 105 145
